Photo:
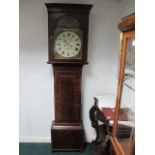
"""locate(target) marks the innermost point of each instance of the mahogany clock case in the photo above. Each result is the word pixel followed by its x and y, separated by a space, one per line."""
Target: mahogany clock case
pixel 67 131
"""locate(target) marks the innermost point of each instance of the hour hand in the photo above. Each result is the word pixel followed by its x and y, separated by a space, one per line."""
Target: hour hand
pixel 65 42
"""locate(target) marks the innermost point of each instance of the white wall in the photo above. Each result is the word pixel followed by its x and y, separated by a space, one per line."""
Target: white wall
pixel 36 77
pixel 129 7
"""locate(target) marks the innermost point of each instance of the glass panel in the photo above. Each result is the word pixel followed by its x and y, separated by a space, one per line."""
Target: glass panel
pixel 126 122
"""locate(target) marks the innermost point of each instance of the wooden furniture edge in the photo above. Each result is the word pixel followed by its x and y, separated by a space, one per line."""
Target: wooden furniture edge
pixel 127 23
pixel 116 146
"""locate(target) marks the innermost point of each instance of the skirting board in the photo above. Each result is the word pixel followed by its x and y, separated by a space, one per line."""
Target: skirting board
pixel 40 139
pixel 34 139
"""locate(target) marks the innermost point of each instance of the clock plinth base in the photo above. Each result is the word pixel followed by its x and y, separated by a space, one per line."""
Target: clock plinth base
pixel 67 136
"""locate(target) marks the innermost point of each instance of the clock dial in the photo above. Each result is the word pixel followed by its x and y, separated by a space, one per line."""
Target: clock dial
pixel 68 44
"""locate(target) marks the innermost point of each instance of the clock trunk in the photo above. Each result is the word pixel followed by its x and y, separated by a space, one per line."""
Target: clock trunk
pixel 67 94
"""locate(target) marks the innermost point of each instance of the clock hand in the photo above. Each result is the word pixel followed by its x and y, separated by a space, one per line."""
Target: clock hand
pixel 66 43
pixel 71 42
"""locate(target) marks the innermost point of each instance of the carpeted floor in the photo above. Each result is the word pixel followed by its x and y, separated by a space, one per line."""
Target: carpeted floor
pixel 45 149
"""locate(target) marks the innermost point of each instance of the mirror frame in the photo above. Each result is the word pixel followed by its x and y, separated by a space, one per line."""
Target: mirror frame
pixel 127 27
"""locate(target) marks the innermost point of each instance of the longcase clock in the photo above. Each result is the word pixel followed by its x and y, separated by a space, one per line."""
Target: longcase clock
pixel 67 43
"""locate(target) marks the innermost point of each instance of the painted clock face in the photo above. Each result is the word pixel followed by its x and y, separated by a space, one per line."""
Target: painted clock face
pixel 68 44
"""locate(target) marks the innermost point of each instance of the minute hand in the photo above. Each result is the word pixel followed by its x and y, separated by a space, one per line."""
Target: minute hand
pixel 66 43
